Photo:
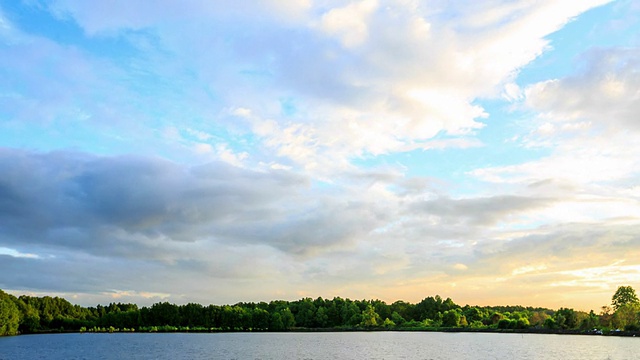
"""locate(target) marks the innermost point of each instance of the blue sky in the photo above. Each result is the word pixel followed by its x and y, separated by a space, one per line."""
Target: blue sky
pixel 221 151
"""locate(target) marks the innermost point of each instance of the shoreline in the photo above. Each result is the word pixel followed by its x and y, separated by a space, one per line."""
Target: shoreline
pixel 619 333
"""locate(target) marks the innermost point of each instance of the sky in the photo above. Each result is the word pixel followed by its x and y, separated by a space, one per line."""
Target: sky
pixel 227 151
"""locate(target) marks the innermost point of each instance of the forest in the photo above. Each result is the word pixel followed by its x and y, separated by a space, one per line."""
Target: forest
pixel 28 314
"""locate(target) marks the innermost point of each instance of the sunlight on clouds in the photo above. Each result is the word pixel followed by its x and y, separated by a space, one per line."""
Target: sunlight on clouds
pixel 583 164
pixel 603 276
pixel 221 152
pixel 275 166
pixel 614 88
pixel 587 209
pixel 444 111
pixel 528 269
pixel 16 253
pixel 460 267
pixel 350 22
pixel 226 154
pixel 132 294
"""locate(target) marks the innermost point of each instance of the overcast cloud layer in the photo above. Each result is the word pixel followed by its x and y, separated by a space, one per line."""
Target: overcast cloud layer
pixel 219 152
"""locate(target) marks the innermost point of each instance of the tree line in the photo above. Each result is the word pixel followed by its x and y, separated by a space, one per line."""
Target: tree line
pixel 28 314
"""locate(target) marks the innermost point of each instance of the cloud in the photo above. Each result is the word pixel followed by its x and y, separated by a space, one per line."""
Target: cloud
pixel 258 235
pixel 68 207
pixel 478 211
pixel 350 23
pixel 156 222
pixel 54 198
pixel 142 207
pixel 251 122
pixel 588 122
pixel 388 80
pixel 604 92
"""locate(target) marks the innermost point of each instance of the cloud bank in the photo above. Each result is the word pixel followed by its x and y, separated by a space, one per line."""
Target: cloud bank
pixel 223 152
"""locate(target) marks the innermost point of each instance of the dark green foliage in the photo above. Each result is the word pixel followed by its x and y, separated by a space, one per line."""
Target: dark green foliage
pixel 431 306
pixel 397 318
pixel 473 313
pixel 403 309
pixel 589 322
pixel 163 314
pixel 566 318
pixel 32 314
pixel 304 311
pixel 451 318
pixel 504 324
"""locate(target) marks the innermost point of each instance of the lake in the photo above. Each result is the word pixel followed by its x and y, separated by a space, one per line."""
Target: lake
pixel 331 345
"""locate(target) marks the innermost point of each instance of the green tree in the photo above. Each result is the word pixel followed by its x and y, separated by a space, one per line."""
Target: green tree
pixel 451 318
pixel 382 309
pixel 321 317
pixel 431 306
pixel 590 321
pixel 30 319
pixel 305 314
pixel 288 320
pixel 506 324
pixel 472 313
pixel 191 315
pixel 164 313
pixel 261 319
pixel 388 324
pixel 624 295
pixel 403 309
pixel 275 323
pixel 627 316
pixel 566 318
pixel 550 323
pixel 369 317
pixel 494 318
pixel 350 314
pixel 333 314
pixel 538 318
pixel 9 315
pixel 397 318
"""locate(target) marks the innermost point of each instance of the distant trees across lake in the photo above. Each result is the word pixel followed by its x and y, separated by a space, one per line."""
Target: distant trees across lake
pixel 27 314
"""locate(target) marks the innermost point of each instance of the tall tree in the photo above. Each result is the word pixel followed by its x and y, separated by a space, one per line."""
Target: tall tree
pixel 623 296
pixel 9 314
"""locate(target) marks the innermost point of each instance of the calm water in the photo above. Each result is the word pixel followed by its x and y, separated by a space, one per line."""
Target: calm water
pixel 353 345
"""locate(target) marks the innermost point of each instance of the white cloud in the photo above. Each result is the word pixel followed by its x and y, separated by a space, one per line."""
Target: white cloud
pixel 589 122
pixel 16 253
pixel 349 23
pixel 406 71
pixel 605 93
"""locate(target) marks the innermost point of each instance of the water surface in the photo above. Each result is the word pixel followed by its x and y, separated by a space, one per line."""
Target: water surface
pixel 340 345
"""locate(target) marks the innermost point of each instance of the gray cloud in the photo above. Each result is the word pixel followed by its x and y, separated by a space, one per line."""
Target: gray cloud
pixel 604 90
pixel 485 211
pixel 141 207
pixel 77 200
pixel 605 241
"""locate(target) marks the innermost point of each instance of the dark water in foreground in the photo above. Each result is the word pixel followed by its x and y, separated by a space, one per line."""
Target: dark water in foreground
pixel 341 345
